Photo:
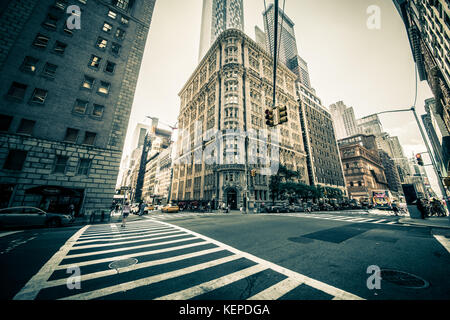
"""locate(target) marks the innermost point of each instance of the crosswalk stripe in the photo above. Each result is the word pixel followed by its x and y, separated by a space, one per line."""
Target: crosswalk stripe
pixel 149 280
pixel 126 238
pixel 365 220
pixel 333 291
pixel 392 222
pixel 105 273
pixel 213 284
pixel 90 246
pixel 34 285
pixel 133 255
pixel 443 241
pixel 277 290
pixel 122 229
pixel 111 234
pixel 94 253
pixel 379 221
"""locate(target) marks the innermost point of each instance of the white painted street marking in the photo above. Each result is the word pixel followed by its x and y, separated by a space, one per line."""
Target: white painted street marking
pixel 149 280
pixel 34 285
pixel 277 290
pixel 100 274
pixel 289 273
pixel 133 255
pixel 213 284
pixel 127 238
pixel 94 253
pixel 4 234
pixel 443 241
pixel 379 221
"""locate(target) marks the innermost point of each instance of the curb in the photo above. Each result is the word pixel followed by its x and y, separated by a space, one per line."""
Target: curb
pixel 424 223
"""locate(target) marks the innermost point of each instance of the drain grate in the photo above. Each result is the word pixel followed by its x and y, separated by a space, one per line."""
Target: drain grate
pixel 403 279
pixel 123 263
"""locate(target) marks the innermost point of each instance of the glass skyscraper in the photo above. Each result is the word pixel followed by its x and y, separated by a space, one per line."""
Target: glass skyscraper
pixel 218 16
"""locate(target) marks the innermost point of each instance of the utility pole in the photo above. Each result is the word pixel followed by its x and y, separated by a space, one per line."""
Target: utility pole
pixel 275 53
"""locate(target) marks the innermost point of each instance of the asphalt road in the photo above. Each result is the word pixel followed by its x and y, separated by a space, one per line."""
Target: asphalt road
pixel 227 256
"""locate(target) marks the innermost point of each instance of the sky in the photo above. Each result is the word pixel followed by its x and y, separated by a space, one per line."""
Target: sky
pixel 371 70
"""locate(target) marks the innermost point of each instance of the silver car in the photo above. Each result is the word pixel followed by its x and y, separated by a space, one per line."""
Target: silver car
pixel 30 216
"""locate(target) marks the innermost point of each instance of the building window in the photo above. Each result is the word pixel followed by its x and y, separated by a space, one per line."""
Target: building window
pixel 84 166
pixel 59 47
pixel 49 70
pixel 107 27
pixel 60 164
pixel 112 15
pixel 17 90
pixel 29 64
pixel 101 43
pixel 50 22
pixel 88 83
pixel 110 67
pixel 15 160
pixel 61 4
pixel 5 122
pixel 89 138
pixel 120 34
pixel 26 126
pixel 41 41
pixel 104 87
pixel 124 21
pixel 80 107
pixel 98 111
pixel 95 62
pixel 115 48
pixel 121 4
pixel 83 1
pixel 71 135
pixel 39 96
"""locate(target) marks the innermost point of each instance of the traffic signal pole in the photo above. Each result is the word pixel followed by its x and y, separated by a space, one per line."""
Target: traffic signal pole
pixel 275 54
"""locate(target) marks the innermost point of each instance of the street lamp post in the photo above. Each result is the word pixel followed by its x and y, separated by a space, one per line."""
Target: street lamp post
pixel 441 185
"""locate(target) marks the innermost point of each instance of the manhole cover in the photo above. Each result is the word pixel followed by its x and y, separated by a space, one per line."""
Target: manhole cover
pixel 403 279
pixel 122 263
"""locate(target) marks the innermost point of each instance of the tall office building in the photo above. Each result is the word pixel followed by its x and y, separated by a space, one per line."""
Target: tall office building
pixel 438 135
pixel 344 120
pixel 428 27
pixel 66 97
pixel 287 46
pixel 222 103
pixel 218 16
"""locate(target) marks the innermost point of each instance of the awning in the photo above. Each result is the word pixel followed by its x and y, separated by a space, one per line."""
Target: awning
pixel 53 191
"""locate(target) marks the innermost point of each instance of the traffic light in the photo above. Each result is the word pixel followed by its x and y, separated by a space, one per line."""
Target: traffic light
pixel 269 118
pixel 419 159
pixel 282 115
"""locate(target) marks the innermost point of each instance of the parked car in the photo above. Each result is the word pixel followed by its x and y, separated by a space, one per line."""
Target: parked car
pixel 170 208
pixel 31 217
pixel 296 208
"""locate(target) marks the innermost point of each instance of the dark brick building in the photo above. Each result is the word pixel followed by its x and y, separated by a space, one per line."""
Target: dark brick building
pixel 65 98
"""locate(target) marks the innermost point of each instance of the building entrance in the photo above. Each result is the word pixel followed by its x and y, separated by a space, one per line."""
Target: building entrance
pixel 232 199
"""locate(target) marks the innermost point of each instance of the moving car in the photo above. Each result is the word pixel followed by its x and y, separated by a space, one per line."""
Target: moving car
pixel 31 216
pixel 170 208
pixel 149 208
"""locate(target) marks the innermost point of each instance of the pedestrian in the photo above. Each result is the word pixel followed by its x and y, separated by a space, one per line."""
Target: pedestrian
pixel 72 211
pixel 395 209
pixel 422 209
pixel 125 212
pixel 141 208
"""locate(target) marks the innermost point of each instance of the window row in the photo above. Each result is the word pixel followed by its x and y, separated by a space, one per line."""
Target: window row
pixel 17 91
pixel 30 65
pixel 103 87
pixel 16 160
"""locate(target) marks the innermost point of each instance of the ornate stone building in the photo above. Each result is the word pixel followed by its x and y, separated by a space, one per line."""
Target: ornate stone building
pixel 224 147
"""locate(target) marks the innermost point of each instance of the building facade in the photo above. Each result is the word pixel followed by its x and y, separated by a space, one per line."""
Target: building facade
pixel 363 169
pixel 287 50
pixel 223 136
pixel 344 120
pixel 428 27
pixel 392 176
pixel 323 158
pixel 218 16
pixel 66 99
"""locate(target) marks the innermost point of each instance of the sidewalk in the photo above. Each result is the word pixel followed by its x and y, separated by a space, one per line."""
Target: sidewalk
pixel 438 222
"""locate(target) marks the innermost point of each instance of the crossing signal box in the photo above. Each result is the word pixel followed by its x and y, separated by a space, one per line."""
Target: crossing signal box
pixel 253 173
pixel 282 115
pixel 269 118
pixel 419 159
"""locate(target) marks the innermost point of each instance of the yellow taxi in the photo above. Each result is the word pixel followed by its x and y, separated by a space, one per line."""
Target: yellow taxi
pixel 170 208
pixel 149 208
